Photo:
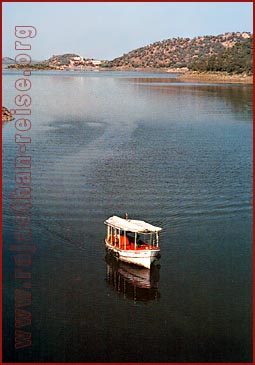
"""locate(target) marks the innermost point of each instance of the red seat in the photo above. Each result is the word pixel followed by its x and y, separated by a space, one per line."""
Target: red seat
pixel 124 242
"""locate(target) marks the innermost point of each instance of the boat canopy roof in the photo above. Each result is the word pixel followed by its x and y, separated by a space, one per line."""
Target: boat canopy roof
pixel 131 225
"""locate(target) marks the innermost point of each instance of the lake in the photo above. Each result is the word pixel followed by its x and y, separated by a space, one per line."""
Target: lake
pixel 178 155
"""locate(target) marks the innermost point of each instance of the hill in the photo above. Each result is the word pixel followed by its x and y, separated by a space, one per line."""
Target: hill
pixel 230 52
pixel 60 60
pixel 7 61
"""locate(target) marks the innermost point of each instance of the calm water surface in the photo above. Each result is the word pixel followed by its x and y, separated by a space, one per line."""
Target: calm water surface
pixel 175 154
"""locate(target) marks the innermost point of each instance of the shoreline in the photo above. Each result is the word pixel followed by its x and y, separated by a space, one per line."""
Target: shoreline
pixel 215 77
pixel 182 76
pixel 195 76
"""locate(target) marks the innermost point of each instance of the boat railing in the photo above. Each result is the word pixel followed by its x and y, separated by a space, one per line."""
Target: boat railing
pixel 125 242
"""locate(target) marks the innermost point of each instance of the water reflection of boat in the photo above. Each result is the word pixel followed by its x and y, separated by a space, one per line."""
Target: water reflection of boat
pixel 133 282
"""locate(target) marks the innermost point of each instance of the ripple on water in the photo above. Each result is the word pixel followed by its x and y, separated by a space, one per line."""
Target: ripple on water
pixel 178 156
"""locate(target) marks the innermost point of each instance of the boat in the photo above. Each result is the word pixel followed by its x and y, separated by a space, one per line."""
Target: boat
pixel 132 241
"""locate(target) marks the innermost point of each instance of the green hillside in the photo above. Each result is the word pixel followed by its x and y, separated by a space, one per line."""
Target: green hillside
pixel 237 59
pixel 231 52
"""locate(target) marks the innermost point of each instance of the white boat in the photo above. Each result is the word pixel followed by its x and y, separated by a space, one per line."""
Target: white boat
pixel 132 241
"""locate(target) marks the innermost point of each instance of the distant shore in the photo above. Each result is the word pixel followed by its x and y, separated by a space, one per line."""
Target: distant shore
pixel 183 76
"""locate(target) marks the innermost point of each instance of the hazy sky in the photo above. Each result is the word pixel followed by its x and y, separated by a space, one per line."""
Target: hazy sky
pixel 107 30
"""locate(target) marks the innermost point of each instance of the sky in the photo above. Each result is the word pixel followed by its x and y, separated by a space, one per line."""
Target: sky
pixel 108 30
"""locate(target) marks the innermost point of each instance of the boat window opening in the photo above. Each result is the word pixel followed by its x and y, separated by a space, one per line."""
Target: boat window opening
pixel 128 240
pixel 131 236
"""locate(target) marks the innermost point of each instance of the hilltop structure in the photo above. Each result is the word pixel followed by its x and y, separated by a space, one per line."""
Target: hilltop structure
pixel 71 61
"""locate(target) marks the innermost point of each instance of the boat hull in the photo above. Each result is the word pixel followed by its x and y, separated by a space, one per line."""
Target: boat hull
pixel 142 258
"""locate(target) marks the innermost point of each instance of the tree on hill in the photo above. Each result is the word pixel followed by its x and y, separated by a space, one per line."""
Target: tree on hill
pixel 237 59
